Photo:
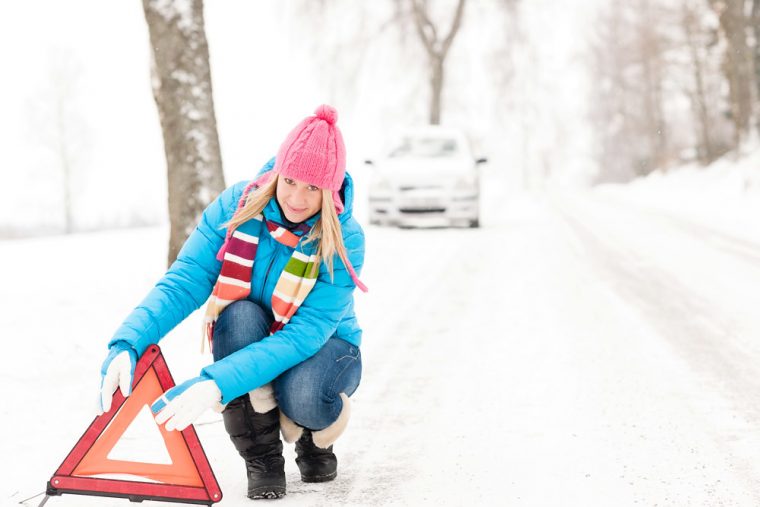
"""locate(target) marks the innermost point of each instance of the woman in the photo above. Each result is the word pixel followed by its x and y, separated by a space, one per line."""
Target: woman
pixel 278 257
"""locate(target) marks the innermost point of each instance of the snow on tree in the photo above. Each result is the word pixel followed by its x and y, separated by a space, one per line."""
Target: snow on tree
pixel 182 90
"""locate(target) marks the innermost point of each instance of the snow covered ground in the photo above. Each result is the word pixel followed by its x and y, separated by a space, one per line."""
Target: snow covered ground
pixel 580 349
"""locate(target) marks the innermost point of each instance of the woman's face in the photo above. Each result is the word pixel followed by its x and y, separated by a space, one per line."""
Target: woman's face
pixel 298 200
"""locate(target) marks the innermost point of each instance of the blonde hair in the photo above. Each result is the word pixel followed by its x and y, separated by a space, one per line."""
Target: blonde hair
pixel 326 231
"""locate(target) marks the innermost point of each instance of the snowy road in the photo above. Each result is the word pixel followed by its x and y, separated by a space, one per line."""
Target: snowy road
pixel 574 351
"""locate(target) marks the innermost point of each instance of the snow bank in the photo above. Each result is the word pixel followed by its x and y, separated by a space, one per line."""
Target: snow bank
pixel 724 195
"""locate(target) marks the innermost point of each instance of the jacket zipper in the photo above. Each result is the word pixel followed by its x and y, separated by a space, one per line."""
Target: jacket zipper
pixel 266 273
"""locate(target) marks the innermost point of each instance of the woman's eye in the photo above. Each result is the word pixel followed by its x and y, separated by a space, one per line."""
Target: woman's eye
pixel 313 188
pixel 289 181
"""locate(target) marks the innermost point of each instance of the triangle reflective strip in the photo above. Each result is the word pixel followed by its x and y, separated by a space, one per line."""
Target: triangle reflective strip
pixel 188 478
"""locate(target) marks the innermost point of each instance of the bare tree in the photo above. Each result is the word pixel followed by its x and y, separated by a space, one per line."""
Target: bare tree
pixel 737 64
pixel 182 90
pixel 650 51
pixel 63 141
pixel 755 22
pixel 512 39
pixel 437 49
pixel 56 119
pixel 337 36
pixel 698 41
pixel 626 108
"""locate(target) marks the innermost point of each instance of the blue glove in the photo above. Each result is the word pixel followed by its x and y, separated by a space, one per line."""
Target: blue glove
pixel 181 405
pixel 117 371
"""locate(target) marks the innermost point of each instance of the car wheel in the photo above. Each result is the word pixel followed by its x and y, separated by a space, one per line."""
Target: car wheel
pixel 474 224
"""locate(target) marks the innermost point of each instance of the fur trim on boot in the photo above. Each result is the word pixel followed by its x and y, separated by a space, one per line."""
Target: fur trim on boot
pixel 326 437
pixel 262 399
pixel 290 430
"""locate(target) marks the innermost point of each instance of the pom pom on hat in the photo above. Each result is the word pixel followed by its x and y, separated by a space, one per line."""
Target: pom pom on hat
pixel 327 113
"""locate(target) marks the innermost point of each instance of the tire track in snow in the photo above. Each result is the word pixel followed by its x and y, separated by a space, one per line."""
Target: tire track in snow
pixel 704 338
pixel 374 459
pixel 393 412
pixel 744 249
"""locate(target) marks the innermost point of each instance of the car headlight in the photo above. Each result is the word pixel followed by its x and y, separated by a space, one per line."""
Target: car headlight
pixel 381 185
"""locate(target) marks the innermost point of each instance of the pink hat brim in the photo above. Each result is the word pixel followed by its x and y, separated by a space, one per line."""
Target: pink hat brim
pixel 337 201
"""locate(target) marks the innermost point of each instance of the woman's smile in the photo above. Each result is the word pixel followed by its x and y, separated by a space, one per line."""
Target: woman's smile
pixel 295 209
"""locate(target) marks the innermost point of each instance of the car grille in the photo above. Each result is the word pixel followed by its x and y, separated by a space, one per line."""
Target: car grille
pixel 406 188
pixel 418 211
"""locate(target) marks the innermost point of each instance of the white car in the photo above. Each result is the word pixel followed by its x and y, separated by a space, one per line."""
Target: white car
pixel 428 177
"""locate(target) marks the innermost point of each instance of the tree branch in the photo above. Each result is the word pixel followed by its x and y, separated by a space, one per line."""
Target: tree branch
pixel 454 28
pixel 421 21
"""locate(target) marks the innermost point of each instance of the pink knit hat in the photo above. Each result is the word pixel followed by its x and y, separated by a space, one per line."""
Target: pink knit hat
pixel 314 152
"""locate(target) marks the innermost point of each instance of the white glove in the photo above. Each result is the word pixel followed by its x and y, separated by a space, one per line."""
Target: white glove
pixel 117 371
pixel 181 405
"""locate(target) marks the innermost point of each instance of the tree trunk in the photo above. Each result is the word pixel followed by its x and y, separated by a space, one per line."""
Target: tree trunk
pixel 650 48
pixel 182 90
pixel 436 87
pixel 698 96
pixel 738 65
pixel 699 102
pixel 755 20
pixel 65 160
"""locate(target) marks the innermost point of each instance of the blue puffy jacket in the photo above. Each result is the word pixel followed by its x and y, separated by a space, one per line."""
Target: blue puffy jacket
pixel 327 311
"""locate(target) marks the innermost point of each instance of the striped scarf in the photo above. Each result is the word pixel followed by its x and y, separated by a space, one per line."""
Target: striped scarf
pixel 234 282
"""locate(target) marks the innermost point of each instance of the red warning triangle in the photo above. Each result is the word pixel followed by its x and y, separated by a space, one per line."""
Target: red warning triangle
pixel 188 478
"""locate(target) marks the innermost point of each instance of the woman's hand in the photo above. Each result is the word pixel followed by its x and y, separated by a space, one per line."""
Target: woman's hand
pixel 117 371
pixel 181 405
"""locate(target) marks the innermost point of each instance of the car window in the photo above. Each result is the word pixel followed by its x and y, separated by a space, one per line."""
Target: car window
pixel 425 147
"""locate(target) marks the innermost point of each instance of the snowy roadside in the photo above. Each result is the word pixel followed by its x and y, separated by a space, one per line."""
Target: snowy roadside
pixel 724 196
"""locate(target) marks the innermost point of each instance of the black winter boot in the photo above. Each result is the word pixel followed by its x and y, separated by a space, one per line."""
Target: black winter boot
pixel 316 464
pixel 257 439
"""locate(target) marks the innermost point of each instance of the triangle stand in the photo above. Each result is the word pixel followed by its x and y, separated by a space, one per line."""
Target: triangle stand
pixel 88 470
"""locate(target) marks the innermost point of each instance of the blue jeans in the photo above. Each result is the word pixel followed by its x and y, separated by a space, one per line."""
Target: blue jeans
pixel 308 393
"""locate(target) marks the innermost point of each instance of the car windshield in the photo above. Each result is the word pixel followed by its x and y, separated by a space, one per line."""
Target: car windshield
pixel 425 147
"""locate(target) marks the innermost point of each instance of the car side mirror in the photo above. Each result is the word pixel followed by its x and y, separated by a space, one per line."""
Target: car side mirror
pixel 481 160
pixel 368 162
